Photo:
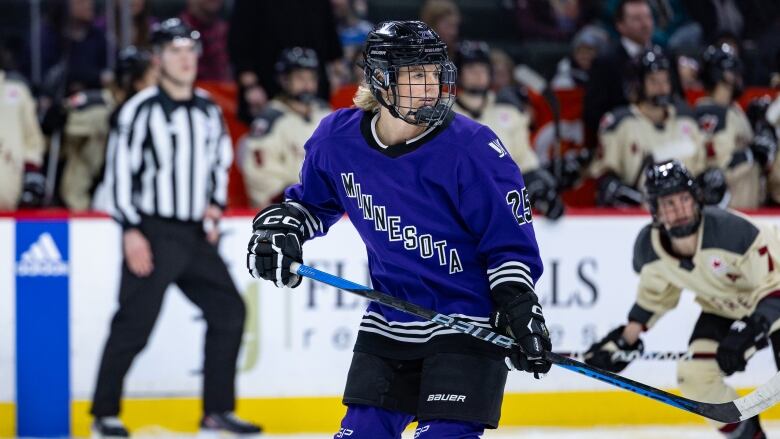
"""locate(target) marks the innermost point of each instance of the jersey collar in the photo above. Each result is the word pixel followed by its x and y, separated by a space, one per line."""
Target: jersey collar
pixel 368 129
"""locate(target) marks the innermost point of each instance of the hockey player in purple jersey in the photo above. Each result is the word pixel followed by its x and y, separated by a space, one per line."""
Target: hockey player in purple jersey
pixel 445 217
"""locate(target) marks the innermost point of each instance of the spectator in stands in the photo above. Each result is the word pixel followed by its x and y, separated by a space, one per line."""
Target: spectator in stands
pixel 205 17
pixel 352 28
pixel 261 29
pixel 613 75
pixel 352 32
pixel 272 153
pixel 477 101
pixel 574 70
pixel 730 142
pixel 672 26
pixel 650 131
pixel 443 16
pixel 553 20
pixel 21 145
pixel 73 49
pixel 141 22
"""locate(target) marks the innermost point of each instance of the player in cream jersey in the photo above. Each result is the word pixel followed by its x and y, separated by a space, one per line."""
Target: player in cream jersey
pixel 21 143
pixel 477 101
pixel 650 131
pixel 729 261
pixel 272 153
pixel 730 143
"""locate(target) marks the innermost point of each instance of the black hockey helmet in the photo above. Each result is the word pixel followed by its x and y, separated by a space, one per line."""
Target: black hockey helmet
pixel 395 44
pixel 472 52
pixel 667 178
pixel 716 62
pixel 294 58
pixel 170 30
pixel 131 64
pixel 652 60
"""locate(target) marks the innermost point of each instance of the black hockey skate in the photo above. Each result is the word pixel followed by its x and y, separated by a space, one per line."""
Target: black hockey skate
pixel 108 427
pixel 226 422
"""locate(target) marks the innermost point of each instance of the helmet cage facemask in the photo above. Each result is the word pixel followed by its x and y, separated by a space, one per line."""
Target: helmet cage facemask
pixel 385 76
pixel 677 231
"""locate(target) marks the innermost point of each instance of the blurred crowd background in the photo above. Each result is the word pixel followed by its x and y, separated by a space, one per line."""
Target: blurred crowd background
pixel 580 72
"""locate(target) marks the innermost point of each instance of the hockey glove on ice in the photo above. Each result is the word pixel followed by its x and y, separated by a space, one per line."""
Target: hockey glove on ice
pixel 276 242
pixel 522 319
pixel 745 337
pixel 602 353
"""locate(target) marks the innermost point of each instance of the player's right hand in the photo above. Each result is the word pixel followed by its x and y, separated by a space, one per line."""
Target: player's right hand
pixel 522 319
pixel 138 253
pixel 601 353
pixel 276 243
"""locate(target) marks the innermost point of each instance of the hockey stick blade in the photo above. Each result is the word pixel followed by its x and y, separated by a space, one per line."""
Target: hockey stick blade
pixel 740 409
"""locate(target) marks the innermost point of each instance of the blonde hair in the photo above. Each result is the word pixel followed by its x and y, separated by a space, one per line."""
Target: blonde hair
pixel 364 99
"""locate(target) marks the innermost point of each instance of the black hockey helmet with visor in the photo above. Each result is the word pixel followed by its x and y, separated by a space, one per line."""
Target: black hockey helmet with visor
pixel 652 60
pixel 668 178
pixel 395 45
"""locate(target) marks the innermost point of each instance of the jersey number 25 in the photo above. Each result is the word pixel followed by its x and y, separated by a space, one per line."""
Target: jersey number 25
pixel 521 205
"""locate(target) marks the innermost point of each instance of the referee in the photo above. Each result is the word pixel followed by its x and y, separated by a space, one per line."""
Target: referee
pixel 170 164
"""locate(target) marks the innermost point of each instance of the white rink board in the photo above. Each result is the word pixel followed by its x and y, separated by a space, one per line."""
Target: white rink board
pixel 298 343
pixel 7 312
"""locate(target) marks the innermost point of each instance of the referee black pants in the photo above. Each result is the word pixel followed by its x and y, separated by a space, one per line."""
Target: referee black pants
pixel 181 256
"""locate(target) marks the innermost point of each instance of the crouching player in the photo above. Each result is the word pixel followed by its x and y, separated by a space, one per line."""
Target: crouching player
pixel 729 261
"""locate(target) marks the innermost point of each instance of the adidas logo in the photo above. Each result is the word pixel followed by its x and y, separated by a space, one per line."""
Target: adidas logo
pixel 43 258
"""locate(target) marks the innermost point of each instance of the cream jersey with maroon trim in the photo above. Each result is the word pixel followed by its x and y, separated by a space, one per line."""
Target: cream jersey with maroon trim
pixel 272 153
pixel 735 266
pixel 511 126
pixel 727 130
pixel 21 141
pixel 629 141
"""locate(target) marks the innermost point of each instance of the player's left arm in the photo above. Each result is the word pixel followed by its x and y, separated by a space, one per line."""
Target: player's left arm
pixel 495 205
pixel 760 267
pixel 220 164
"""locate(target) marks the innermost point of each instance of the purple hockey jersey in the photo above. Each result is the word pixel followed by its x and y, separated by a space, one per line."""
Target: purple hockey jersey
pixel 445 217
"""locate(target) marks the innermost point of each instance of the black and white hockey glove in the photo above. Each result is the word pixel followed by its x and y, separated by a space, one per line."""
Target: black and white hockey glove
pixel 543 192
pixel 522 319
pixel 746 336
pixel 603 354
pixel 612 192
pixel 277 240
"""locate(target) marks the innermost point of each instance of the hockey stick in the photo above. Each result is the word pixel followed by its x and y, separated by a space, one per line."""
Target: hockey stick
pixel 740 409
pixel 644 356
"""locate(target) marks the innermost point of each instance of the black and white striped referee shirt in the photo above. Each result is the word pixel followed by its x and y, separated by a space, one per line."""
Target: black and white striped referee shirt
pixel 167 158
